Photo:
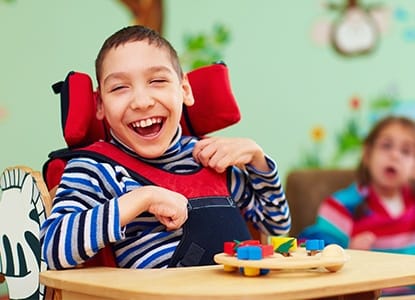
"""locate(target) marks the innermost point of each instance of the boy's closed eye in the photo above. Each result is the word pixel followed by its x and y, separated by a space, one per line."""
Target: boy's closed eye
pixel 158 81
pixel 117 88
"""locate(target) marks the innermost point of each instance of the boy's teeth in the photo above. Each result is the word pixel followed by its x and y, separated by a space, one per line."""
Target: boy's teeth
pixel 147 122
pixel 143 123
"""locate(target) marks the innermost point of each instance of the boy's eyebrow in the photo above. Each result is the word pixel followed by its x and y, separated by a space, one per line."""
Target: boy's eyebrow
pixel 113 75
pixel 159 69
pixel 150 70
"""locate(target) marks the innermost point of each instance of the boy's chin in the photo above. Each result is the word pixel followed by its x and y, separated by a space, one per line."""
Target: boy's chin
pixel 151 152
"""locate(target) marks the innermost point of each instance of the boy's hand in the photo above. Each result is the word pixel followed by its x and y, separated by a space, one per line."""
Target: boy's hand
pixel 219 153
pixel 169 207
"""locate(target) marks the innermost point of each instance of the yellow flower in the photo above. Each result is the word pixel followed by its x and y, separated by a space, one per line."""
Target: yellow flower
pixel 318 133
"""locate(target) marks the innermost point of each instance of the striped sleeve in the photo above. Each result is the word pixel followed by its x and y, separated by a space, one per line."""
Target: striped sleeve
pixel 261 198
pixel 334 222
pixel 82 220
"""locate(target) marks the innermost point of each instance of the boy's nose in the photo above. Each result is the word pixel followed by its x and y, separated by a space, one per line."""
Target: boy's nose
pixel 141 100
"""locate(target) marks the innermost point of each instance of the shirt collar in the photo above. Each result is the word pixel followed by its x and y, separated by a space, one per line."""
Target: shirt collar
pixel 174 148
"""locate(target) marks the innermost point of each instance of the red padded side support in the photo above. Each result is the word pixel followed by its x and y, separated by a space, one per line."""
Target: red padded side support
pixel 81 126
pixel 215 106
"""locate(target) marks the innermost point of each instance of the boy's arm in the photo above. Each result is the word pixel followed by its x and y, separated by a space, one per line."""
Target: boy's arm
pixel 92 205
pixel 85 215
pixel 169 207
pixel 261 197
pixel 255 184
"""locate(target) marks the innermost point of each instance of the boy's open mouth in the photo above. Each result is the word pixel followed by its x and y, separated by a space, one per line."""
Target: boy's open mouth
pixel 148 127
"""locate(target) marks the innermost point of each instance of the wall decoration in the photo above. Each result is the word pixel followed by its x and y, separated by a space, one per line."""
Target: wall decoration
pixel 202 49
pixel 356 30
pixel 348 140
pixel 406 20
pixel 146 12
pixel 312 157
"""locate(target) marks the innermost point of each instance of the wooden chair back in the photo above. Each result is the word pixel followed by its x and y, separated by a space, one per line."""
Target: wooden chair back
pixel 306 189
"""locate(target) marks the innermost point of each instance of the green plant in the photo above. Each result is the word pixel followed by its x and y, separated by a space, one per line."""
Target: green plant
pixel 202 49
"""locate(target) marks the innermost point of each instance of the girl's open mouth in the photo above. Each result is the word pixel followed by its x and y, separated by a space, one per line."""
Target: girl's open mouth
pixel 390 171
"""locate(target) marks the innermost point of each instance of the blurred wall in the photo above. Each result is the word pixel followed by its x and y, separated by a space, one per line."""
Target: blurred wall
pixel 286 82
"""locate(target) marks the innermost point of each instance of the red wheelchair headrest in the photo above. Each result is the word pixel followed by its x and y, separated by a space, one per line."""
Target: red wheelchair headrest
pixel 215 106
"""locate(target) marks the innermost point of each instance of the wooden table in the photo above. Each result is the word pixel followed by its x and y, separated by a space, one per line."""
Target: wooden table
pixel 364 272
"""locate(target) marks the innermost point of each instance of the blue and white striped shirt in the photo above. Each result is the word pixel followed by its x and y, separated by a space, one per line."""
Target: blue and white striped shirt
pixel 85 214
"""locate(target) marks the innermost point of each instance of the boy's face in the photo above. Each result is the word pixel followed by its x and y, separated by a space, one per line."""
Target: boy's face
pixel 141 97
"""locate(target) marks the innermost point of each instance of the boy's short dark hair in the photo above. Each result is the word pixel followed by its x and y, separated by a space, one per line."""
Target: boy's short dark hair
pixel 136 33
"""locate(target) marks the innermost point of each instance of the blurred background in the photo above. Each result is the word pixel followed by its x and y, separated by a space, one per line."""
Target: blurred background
pixel 310 76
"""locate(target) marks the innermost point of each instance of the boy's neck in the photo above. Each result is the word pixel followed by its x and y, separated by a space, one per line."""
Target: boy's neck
pixel 174 141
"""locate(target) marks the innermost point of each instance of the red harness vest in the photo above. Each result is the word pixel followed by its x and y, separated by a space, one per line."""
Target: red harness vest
pixel 213 217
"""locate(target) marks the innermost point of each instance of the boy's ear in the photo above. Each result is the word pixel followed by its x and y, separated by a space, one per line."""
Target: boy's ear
pixel 188 98
pixel 100 110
